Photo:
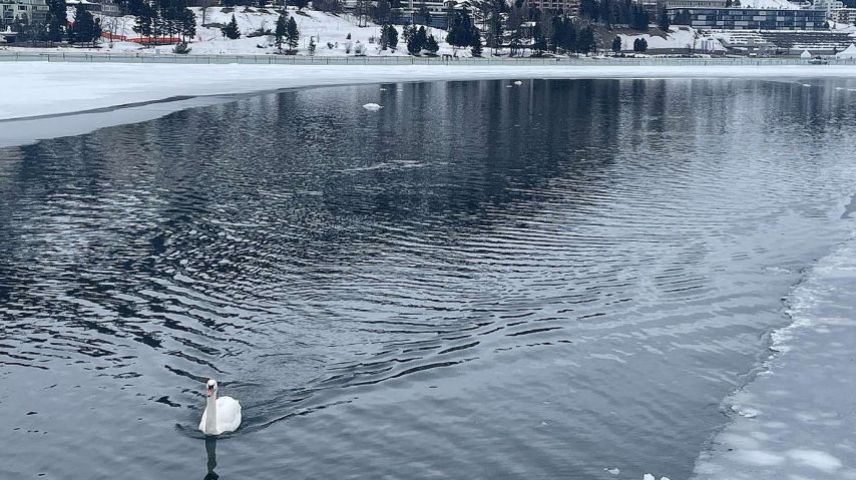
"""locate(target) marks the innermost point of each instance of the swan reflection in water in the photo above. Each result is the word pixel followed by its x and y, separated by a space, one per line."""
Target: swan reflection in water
pixel 211 451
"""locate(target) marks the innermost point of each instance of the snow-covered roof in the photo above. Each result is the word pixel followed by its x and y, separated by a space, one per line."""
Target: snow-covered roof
pixel 849 52
pixel 805 54
pixel 769 4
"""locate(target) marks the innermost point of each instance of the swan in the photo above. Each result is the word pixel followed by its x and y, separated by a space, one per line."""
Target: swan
pixel 221 415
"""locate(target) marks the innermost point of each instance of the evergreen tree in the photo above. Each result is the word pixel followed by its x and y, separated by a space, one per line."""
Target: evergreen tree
pixel 181 48
pixel 639 17
pixel 144 24
pixel 417 41
pixel 555 39
pixel 462 30
pixel 231 29
pixel 292 35
pixel 640 45
pixel 476 45
pixel 431 44
pixel 605 12
pixel 279 33
pixel 384 37
pixel 585 40
pixel 188 23
pixel 57 20
pixel 663 20
pixel 589 9
pixel 539 44
pixel 300 4
pixel 616 44
pixel 85 28
pixel 392 33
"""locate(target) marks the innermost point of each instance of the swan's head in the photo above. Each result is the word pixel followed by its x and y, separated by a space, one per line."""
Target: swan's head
pixel 211 387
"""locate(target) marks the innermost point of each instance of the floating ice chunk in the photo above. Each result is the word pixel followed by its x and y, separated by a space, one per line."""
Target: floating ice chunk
pixel 815 459
pixel 372 107
pixel 648 476
pixel 612 471
pixel 518 82
pixel 745 412
pixel 806 84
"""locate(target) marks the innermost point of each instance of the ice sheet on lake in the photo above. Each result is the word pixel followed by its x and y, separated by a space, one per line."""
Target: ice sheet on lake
pixel 802 421
pixel 46 88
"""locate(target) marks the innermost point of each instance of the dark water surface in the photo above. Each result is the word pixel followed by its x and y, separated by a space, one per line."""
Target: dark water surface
pixel 476 281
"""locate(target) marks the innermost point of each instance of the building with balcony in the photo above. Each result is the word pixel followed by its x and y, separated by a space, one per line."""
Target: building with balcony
pixel 28 11
pixel 843 15
pixel 748 18
pixel 570 7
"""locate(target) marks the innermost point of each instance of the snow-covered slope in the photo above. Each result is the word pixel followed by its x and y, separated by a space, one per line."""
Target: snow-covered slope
pixel 678 38
pixel 329 31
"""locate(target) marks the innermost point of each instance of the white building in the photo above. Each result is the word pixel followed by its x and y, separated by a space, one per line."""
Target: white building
pixel 28 11
pixel 843 15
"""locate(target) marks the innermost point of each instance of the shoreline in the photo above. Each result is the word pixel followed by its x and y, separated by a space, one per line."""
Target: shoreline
pixel 795 416
pixel 49 94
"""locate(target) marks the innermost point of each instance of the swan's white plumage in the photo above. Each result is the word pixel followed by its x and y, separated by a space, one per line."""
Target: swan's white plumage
pixel 228 416
pixel 226 411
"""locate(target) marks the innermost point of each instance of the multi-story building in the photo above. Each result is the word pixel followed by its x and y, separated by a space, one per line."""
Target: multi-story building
pixel 748 18
pixel 27 11
pixel 843 15
pixel 109 7
pixel 695 3
pixel 827 5
pixel 570 7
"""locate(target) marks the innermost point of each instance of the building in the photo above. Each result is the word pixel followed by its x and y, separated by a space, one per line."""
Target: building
pixel 570 7
pixel 748 18
pixel 28 11
pixel 827 5
pixel 695 3
pixel 843 15
pixel 110 7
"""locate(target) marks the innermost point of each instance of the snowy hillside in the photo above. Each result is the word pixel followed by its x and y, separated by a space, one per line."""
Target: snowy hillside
pixel 329 31
pixel 678 38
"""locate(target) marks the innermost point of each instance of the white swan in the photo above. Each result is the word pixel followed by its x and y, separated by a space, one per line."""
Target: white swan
pixel 221 415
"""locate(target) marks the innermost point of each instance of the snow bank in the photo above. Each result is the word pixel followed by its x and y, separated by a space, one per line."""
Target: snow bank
pixel 678 38
pixel 43 88
pixel 803 403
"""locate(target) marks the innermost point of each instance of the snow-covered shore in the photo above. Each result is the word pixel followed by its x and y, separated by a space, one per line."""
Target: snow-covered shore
pixel 58 88
pixel 797 419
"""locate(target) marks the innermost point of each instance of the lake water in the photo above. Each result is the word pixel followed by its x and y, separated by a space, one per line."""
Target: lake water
pixel 480 280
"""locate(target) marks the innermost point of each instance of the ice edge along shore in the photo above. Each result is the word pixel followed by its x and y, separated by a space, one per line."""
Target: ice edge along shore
pixel 62 88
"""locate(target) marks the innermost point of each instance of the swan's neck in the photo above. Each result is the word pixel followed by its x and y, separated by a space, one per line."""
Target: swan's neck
pixel 211 417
